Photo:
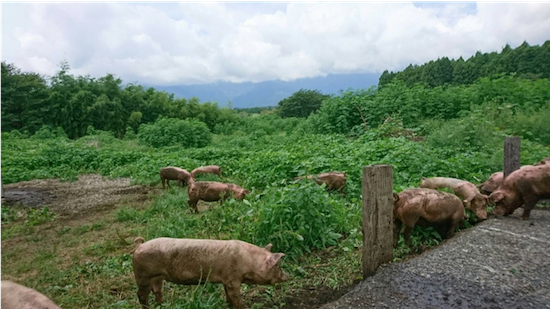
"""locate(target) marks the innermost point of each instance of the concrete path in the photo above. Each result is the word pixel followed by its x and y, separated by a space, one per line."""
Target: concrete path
pixel 502 262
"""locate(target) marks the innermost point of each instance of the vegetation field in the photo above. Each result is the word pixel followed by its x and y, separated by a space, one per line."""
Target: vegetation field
pixel 73 126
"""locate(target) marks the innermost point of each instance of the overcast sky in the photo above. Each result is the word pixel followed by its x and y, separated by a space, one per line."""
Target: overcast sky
pixel 190 43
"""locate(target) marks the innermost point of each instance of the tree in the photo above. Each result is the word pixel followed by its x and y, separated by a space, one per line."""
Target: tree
pixel 23 97
pixel 301 103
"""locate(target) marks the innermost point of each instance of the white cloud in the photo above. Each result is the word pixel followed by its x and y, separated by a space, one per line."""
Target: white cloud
pixel 185 43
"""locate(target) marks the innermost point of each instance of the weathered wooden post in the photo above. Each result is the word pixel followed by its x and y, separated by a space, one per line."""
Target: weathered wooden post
pixel 377 217
pixel 512 153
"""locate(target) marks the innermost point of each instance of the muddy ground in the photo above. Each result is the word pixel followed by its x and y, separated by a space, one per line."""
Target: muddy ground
pixel 500 263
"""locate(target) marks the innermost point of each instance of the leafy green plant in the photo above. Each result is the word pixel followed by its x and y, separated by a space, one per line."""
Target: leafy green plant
pixel 171 132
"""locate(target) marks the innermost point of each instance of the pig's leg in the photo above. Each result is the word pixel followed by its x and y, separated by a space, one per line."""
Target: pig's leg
pixel 397 224
pixel 407 232
pixel 143 294
pixel 233 294
pixel 409 226
pixel 157 289
pixel 193 205
pixel 163 180
pixel 528 206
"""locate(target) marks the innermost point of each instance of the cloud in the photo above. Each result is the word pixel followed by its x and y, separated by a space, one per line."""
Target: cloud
pixel 187 43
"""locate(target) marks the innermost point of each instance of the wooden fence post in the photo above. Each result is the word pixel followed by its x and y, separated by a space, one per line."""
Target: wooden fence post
pixel 377 214
pixel 512 153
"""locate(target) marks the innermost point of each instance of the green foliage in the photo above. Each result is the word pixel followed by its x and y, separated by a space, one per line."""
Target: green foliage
pixel 531 62
pixel 172 132
pixel 300 217
pixel 47 132
pixel 301 103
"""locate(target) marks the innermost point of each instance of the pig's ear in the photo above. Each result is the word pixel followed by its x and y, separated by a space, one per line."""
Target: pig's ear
pixel 496 196
pixel 268 247
pixel 274 259
pixel 395 197
pixel 423 178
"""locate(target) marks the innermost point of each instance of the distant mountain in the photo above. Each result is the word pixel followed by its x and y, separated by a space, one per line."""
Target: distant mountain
pixel 269 93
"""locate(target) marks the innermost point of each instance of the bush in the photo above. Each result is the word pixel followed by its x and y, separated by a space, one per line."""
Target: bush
pixel 175 132
pixel 49 132
pixel 300 217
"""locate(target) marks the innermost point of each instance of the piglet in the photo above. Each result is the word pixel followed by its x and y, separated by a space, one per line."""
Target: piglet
pixel 192 261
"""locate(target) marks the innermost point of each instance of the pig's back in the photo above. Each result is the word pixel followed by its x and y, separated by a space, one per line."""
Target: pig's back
pixel 425 201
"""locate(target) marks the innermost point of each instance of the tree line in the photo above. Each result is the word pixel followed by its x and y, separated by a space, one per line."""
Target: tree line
pixel 441 89
pixel 525 61
pixel 74 103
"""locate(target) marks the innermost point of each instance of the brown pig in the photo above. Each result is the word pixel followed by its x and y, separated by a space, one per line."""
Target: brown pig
pixel 16 296
pixel 467 191
pixel 494 181
pixel 333 180
pixel 491 184
pixel 175 173
pixel 211 191
pixel 426 207
pixel 209 169
pixel 192 261
pixel 523 187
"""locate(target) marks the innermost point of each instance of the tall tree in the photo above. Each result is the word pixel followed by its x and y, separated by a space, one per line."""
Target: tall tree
pixel 301 103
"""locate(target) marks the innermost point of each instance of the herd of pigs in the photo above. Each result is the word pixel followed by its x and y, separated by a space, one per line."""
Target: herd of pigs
pixel 233 262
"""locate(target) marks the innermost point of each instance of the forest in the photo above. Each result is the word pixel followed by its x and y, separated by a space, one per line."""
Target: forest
pixel 66 126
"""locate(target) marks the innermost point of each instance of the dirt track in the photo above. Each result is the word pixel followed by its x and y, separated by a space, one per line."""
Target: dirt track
pixel 500 263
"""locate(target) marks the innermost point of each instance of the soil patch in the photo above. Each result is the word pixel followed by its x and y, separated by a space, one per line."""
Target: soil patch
pixel 89 194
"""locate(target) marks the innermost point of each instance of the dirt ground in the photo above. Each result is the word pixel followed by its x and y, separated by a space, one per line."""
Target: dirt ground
pixel 71 200
pixel 500 263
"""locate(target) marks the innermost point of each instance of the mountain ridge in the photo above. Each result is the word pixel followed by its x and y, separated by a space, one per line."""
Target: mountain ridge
pixel 269 93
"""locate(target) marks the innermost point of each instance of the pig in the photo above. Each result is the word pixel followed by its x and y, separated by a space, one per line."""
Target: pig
pixel 426 207
pixel 491 184
pixel 524 187
pixel 175 173
pixel 210 169
pixel 16 296
pixel 211 191
pixel 333 180
pixel 494 181
pixel 543 161
pixel 467 191
pixel 193 261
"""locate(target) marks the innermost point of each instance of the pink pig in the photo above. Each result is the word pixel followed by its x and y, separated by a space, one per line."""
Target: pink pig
pixel 192 261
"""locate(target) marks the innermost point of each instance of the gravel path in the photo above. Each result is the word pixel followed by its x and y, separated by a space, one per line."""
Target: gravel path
pixel 502 262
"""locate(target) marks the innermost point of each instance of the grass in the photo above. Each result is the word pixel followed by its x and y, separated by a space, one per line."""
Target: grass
pixel 86 262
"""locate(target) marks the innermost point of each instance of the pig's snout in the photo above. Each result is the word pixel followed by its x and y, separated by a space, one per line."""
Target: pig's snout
pixel 482 214
pixel 285 276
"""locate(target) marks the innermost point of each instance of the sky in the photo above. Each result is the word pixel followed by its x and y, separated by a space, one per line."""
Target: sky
pixel 195 43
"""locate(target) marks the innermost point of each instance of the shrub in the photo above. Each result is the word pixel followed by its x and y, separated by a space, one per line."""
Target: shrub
pixel 175 132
